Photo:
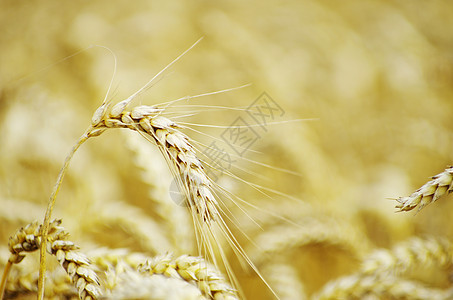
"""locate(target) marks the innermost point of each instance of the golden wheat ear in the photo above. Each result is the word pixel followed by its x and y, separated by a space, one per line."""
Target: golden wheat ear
pixel 359 286
pixel 76 265
pixel 440 185
pixel 98 126
pixel 92 131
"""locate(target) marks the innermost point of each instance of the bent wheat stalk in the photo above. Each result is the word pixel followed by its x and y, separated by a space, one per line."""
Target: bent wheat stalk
pixel 92 131
pixel 181 157
pixel 442 184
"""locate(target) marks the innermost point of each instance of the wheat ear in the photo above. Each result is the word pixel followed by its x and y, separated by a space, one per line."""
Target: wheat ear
pixel 192 269
pixel 281 238
pixel 77 265
pixel 286 281
pixel 409 254
pixel 440 185
pixel 359 286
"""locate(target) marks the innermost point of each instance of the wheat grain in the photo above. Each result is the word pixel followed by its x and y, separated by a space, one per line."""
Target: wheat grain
pixel 374 287
pixel 288 237
pixel 440 185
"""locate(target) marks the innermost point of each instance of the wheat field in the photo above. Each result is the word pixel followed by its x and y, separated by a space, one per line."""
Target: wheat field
pixel 338 190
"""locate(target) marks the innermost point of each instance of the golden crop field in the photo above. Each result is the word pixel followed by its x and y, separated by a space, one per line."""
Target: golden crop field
pixel 288 153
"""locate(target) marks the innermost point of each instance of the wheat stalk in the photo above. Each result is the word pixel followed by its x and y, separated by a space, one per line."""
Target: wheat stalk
pixel 287 237
pixel 145 231
pixel 440 185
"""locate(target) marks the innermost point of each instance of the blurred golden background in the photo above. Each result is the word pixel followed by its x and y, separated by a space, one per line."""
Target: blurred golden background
pixel 375 78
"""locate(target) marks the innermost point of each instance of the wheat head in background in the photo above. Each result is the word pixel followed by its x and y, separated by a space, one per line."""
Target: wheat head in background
pixel 374 76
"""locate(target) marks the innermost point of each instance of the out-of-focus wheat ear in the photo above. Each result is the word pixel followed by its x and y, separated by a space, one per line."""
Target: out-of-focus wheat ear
pixel 409 254
pixel 358 286
pixel 123 281
pixel 192 269
pixel 143 230
pixel 106 258
pixel 440 185
pixel 287 237
pixel 153 172
pixel 285 280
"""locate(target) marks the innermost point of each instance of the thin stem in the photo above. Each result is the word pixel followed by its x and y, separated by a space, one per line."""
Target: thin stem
pixel 46 222
pixel 4 277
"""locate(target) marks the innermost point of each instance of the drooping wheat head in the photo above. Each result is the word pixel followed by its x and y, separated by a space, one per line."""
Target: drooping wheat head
pixel 440 185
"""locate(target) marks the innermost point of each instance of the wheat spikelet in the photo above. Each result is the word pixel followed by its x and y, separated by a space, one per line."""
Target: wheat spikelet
pixel 440 185
pixel 78 268
pixel 192 269
pixel 374 287
pixel 76 265
pixel 409 254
